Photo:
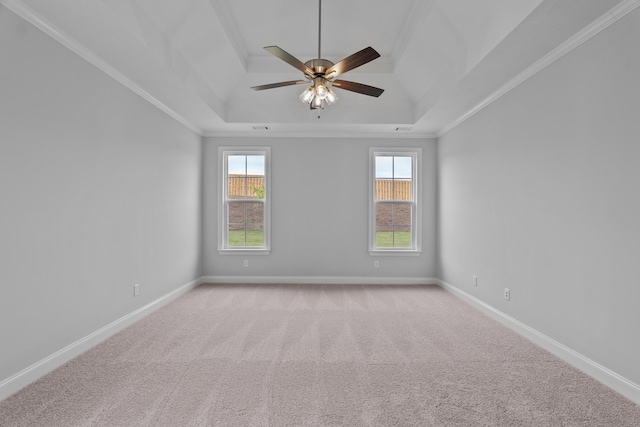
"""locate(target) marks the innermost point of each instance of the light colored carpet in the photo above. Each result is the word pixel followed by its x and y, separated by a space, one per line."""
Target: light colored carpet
pixel 315 355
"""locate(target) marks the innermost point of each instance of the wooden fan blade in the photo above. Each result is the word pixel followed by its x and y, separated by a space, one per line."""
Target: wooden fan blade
pixel 367 54
pixel 358 88
pixel 281 84
pixel 289 59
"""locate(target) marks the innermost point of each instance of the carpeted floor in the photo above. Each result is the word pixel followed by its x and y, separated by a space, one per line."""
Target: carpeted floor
pixel 317 355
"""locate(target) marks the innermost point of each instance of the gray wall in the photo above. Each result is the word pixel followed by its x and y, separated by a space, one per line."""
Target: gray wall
pixel 319 211
pixel 98 190
pixel 540 193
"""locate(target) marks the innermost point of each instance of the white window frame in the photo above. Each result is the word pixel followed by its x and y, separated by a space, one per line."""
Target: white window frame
pixel 416 208
pixel 223 154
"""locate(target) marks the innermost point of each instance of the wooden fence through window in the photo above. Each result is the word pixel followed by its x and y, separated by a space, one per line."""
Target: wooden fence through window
pixel 389 189
pixel 241 186
pixel 386 189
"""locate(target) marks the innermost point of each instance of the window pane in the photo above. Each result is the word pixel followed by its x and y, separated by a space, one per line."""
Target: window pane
pixel 384 167
pixel 384 236
pixel 255 184
pixel 402 167
pixel 401 214
pixel 394 178
pixel 236 224
pixel 255 165
pixel 393 225
pixel 384 214
pixel 255 235
pixel 236 237
pixel 245 177
pixel 402 189
pixel 236 214
pixel 255 177
pixel 402 237
pixel 245 224
pixel 237 177
pixel 384 189
pixel 237 165
pixel 236 186
pixel 254 212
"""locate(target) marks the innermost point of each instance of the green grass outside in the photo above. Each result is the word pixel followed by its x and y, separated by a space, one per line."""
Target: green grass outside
pixel 254 238
pixel 385 239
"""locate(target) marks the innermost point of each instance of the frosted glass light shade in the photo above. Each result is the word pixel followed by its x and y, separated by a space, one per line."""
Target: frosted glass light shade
pixel 331 97
pixel 307 95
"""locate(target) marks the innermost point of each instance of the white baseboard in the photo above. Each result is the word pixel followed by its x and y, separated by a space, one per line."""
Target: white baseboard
pixel 330 280
pixel 609 378
pixel 60 357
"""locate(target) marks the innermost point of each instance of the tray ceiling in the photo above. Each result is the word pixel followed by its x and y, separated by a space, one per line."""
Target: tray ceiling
pixel 197 59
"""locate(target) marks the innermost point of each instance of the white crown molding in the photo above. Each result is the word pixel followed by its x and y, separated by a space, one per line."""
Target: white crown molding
pixel 29 15
pixel 585 34
pixel 269 134
pixel 60 357
pixel 329 280
pixel 606 376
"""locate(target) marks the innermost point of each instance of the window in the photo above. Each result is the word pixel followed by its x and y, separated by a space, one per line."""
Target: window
pixel 394 213
pixel 244 225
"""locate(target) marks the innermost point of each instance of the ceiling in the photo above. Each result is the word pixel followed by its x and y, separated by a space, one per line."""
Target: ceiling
pixel 197 59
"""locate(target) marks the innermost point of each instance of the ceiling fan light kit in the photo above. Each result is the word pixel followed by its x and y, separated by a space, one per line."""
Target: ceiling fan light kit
pixel 318 95
pixel 322 74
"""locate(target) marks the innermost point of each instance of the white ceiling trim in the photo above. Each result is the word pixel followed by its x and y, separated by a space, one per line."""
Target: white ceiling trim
pixel 79 49
pixel 269 134
pixel 230 28
pixel 585 34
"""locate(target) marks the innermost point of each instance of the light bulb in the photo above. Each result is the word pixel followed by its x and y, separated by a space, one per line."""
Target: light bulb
pixel 316 103
pixel 321 91
pixel 307 95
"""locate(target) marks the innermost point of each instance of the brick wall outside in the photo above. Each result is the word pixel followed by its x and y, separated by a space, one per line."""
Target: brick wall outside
pixel 241 212
pixel 389 216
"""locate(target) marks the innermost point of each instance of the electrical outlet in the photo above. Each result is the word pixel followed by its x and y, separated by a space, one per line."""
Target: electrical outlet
pixel 507 294
pixel 246 263
pixel 376 264
pixel 136 289
pixel 475 280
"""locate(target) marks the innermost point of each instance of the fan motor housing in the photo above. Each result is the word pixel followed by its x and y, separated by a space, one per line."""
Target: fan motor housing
pixel 319 66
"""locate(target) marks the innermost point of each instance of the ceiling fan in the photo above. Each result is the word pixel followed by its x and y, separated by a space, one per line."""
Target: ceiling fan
pixel 322 73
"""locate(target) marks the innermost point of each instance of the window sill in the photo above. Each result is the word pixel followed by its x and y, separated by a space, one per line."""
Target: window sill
pixel 394 252
pixel 244 251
